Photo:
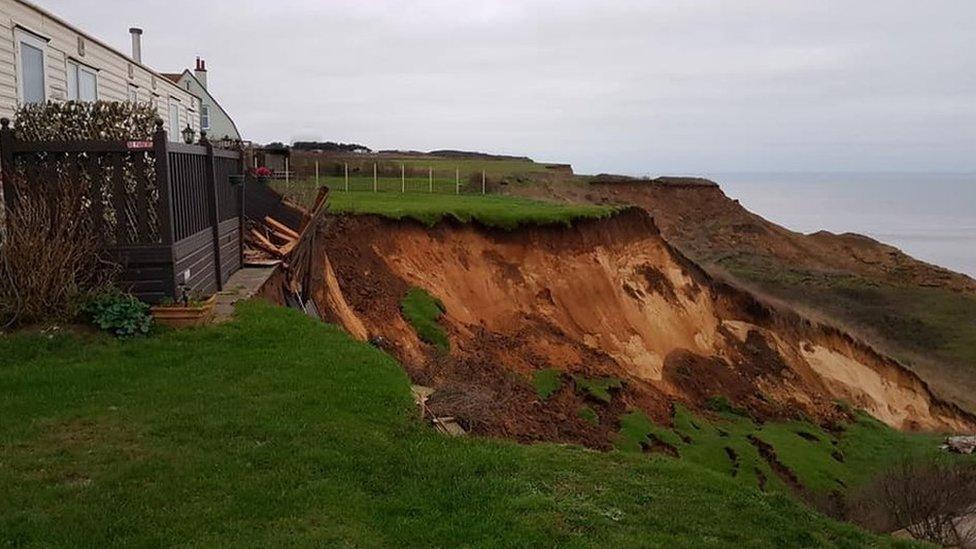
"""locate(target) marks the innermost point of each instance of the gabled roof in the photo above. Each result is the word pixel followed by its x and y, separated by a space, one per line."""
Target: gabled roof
pixel 189 74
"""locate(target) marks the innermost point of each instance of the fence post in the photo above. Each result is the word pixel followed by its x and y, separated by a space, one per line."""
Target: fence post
pixel 242 162
pixel 214 208
pixel 430 179
pixel 347 176
pixel 482 181
pixel 167 230
pixel 316 174
pixel 374 177
pixel 403 178
pixel 6 167
pixel 457 180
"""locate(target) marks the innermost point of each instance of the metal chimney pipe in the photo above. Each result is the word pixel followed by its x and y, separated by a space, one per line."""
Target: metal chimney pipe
pixel 136 44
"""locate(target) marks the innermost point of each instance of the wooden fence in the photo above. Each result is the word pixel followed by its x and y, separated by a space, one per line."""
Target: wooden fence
pixel 170 214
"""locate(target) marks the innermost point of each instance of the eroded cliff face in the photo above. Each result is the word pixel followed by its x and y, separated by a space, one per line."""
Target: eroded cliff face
pixel 604 298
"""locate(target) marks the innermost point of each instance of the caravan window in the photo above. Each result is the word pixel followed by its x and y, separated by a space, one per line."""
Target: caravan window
pixel 30 69
pixel 82 82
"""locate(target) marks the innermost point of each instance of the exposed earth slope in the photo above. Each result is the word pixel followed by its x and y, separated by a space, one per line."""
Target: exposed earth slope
pixel 604 300
pixel 922 314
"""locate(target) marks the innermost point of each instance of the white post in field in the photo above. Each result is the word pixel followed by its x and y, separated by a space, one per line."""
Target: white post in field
pixel 482 181
pixel 457 180
pixel 287 176
pixel 316 174
pixel 403 179
pixel 375 186
pixel 347 176
pixel 430 178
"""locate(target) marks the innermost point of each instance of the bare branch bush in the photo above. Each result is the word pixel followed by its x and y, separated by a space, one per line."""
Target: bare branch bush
pixel 49 254
pixel 932 500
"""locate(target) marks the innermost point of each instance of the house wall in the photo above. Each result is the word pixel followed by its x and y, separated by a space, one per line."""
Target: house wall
pixel 221 125
pixel 113 66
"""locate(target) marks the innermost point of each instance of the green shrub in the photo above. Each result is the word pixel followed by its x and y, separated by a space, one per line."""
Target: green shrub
pixel 422 311
pixel 120 314
pixel 547 382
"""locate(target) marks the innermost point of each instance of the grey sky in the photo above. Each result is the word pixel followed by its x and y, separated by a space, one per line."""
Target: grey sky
pixel 669 86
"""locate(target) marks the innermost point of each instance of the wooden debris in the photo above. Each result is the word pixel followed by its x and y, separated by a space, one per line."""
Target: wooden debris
pixel 960 445
pixel 281 228
pixel 262 243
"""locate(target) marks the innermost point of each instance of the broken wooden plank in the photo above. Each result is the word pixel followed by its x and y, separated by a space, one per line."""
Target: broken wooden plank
pixel 261 242
pixel 281 228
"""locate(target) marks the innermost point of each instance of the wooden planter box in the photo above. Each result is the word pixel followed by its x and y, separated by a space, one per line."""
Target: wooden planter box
pixel 178 316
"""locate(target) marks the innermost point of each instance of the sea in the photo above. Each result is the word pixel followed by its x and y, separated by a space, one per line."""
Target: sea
pixel 930 216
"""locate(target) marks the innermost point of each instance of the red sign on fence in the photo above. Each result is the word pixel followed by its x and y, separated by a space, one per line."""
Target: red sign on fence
pixel 138 145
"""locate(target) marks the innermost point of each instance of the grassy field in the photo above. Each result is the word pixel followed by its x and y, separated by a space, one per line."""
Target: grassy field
pixel 276 430
pixel 823 462
pixel 383 184
pixel 444 168
pixel 498 211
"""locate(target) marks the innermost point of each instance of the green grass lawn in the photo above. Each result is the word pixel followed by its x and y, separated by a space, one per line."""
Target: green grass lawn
pixel 498 211
pixel 276 430
pixel 361 167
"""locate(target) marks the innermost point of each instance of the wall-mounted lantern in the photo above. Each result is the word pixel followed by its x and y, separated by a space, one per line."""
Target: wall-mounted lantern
pixel 188 135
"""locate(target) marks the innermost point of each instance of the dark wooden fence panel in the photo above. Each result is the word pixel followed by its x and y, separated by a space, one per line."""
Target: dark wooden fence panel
pixel 189 190
pixel 170 213
pixel 228 194
pixel 260 202
pixel 229 242
pixel 146 271
pixel 194 263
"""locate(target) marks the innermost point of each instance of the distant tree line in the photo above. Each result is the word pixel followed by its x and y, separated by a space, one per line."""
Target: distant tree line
pixel 330 146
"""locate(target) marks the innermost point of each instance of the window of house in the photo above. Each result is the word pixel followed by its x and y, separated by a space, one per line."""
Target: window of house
pixel 30 68
pixel 204 117
pixel 174 120
pixel 82 82
pixel 133 93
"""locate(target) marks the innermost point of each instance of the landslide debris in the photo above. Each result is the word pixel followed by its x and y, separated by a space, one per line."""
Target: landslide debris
pixel 606 300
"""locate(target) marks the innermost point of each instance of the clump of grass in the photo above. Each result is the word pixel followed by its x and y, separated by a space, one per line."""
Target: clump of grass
pixel 636 429
pixel 721 405
pixel 547 382
pixel 423 311
pixel 597 387
pixel 589 414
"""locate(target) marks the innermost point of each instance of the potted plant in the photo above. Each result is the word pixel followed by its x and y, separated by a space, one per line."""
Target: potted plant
pixel 188 312
pixel 262 174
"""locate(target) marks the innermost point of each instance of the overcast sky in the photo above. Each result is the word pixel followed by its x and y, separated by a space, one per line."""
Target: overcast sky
pixel 640 87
